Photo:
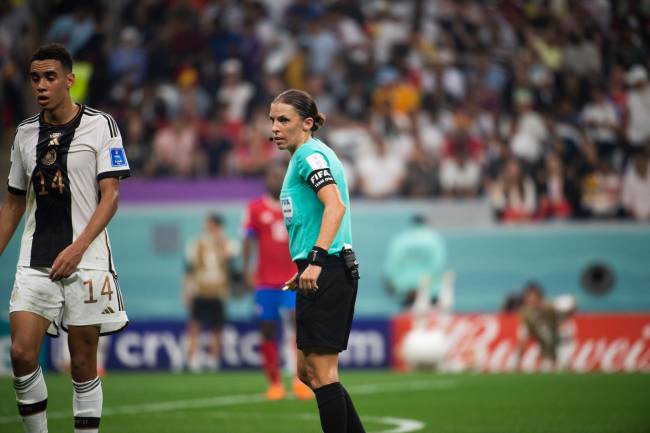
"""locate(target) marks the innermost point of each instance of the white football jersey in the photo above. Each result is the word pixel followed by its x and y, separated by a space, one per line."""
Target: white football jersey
pixel 59 167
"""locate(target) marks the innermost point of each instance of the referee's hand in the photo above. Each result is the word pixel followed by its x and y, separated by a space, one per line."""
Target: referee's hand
pixel 308 281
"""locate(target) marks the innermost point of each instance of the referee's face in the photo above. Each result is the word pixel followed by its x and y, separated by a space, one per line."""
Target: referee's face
pixel 50 82
pixel 288 129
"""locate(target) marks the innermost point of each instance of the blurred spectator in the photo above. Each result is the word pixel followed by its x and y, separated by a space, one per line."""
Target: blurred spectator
pixel 235 93
pixel 421 174
pixel 553 201
pixel 636 187
pixel 381 172
pixel 601 123
pixel 582 54
pixel 174 149
pixel 638 107
pixel 513 194
pixel 601 191
pixel 460 175
pixel 529 130
pixel 128 61
pixel 73 29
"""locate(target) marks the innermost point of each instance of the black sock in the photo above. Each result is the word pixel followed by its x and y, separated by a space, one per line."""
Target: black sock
pixel 354 423
pixel 332 408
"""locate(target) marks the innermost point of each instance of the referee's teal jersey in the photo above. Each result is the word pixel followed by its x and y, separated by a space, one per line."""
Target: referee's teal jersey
pixel 312 167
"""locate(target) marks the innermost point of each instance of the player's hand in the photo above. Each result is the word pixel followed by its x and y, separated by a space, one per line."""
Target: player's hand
pixel 308 281
pixel 292 283
pixel 66 262
pixel 249 280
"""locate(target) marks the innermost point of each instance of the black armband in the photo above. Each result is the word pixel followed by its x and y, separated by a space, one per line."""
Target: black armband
pixel 320 178
pixel 317 256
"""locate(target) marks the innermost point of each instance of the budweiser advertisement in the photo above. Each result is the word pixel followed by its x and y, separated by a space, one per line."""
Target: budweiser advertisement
pixel 489 343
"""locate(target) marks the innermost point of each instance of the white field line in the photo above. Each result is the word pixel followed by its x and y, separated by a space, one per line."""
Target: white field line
pixel 231 400
pixel 397 425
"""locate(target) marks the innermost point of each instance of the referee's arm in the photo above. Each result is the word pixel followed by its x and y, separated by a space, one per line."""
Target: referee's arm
pixel 333 213
pixel 11 212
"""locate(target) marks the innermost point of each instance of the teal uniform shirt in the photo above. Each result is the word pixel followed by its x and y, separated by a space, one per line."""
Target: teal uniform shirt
pixel 312 166
pixel 413 256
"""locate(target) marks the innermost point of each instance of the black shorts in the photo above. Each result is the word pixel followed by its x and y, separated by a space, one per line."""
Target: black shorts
pixel 324 317
pixel 208 312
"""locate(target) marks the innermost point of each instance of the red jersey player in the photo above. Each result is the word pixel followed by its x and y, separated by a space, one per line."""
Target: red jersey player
pixel 264 225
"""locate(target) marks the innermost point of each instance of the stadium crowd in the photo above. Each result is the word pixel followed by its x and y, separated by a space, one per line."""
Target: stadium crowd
pixel 541 106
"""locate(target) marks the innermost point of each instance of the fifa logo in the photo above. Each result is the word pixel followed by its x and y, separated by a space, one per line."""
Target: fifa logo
pixel 54 139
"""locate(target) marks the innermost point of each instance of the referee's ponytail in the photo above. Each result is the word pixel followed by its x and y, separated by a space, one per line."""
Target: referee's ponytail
pixel 304 104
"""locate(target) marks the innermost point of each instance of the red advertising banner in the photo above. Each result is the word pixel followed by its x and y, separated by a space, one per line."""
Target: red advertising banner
pixel 488 343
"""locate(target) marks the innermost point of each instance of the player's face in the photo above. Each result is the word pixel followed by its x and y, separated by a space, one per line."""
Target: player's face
pixel 50 82
pixel 274 179
pixel 288 128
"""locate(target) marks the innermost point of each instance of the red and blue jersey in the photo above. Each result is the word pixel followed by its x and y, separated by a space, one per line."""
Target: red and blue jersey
pixel 265 222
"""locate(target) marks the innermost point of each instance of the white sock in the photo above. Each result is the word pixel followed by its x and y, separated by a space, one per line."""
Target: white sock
pixel 87 399
pixel 31 396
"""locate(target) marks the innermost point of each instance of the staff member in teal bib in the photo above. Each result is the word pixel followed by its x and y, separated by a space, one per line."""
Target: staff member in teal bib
pixel 316 207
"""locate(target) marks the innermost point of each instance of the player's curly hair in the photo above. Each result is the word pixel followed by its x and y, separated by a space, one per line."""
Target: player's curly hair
pixel 304 105
pixel 56 52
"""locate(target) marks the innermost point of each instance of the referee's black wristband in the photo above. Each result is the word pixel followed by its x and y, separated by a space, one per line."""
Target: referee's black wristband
pixel 317 256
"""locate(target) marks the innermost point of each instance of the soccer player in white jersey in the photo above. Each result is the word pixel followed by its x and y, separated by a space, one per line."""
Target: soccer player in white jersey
pixel 66 164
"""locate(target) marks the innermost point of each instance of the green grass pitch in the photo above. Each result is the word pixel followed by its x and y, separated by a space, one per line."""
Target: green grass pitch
pixel 387 403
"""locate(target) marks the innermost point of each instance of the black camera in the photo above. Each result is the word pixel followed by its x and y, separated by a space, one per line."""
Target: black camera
pixel 351 263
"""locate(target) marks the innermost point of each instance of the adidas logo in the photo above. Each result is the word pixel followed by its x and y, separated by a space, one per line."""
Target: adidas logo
pixel 108 310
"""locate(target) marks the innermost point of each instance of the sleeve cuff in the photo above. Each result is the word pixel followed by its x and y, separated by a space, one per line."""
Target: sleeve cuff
pixel 120 174
pixel 16 191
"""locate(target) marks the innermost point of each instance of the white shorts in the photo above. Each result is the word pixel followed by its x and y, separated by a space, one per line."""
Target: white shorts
pixel 87 297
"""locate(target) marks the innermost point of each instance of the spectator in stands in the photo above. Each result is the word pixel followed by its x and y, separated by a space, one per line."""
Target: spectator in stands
pixel 460 175
pixel 636 187
pixel 638 107
pixel 381 171
pixel 601 191
pixel 421 174
pixel 234 93
pixel 601 122
pixel 174 148
pixel 513 194
pixel 73 29
pixel 529 130
pixel 553 201
pixel 128 61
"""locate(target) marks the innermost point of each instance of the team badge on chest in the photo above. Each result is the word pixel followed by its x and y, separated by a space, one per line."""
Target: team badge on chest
pixel 50 157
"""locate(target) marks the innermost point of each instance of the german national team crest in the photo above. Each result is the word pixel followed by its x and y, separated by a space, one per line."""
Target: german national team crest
pixel 50 157
pixel 54 139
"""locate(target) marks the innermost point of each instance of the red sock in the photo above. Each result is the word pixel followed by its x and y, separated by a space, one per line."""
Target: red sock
pixel 270 361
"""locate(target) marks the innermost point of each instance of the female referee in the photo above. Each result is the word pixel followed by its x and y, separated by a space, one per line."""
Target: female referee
pixel 315 204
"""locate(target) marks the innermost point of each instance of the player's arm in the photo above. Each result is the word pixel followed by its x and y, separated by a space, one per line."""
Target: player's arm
pixel 248 246
pixel 68 259
pixel 11 212
pixel 334 210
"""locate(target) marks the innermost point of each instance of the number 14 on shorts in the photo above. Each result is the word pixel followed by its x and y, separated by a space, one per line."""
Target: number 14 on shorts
pixel 106 290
